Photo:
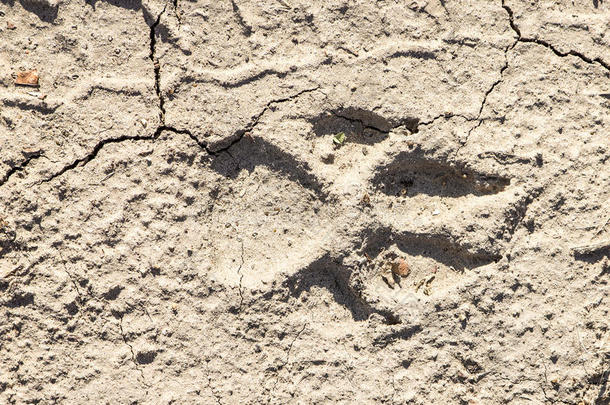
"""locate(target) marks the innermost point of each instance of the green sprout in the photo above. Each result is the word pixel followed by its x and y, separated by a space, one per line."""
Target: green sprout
pixel 339 138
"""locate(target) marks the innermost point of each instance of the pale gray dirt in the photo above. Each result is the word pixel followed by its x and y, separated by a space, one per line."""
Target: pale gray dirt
pixel 177 226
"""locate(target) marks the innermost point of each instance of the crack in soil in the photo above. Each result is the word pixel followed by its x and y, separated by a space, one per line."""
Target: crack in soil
pixel 209 385
pixel 521 38
pixel 241 277
pixel 177 12
pixel 204 146
pixel 446 116
pixel 156 65
pixel 239 135
pixel 361 122
pixel 19 168
pixel 71 277
pixel 133 355
pixel 96 149
pixel 287 359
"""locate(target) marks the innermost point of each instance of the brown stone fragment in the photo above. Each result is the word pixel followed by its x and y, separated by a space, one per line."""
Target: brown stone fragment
pixel 401 268
pixel 27 78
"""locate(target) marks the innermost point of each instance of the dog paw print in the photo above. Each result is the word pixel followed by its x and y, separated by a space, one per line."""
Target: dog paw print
pixel 352 210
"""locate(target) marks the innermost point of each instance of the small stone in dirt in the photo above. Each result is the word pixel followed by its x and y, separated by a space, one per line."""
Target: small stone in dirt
pixel 10 25
pixel 328 157
pixel 27 78
pixel 401 268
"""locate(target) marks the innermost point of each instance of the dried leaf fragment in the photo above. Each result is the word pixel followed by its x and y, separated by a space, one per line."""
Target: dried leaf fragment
pixel 401 268
pixel 27 78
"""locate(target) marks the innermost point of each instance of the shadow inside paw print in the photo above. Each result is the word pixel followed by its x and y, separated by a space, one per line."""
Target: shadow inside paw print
pixel 45 10
pixel 336 278
pixel 439 248
pixel 255 151
pixel 410 174
pixel 360 125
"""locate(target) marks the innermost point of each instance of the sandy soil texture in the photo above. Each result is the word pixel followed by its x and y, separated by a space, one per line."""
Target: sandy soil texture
pixel 304 202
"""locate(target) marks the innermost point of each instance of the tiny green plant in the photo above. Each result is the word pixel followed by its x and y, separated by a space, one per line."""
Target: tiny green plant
pixel 339 138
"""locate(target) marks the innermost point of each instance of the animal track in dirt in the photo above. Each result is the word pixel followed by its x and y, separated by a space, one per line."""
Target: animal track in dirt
pixel 363 126
pixel 351 256
pixel 412 175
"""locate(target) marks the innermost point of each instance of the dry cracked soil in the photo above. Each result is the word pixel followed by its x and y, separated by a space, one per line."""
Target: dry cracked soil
pixel 202 201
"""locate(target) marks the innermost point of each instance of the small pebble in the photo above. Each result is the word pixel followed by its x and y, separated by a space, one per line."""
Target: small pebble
pixel 401 268
pixel 27 78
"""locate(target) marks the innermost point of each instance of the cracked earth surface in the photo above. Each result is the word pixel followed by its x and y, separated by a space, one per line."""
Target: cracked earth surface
pixel 177 225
